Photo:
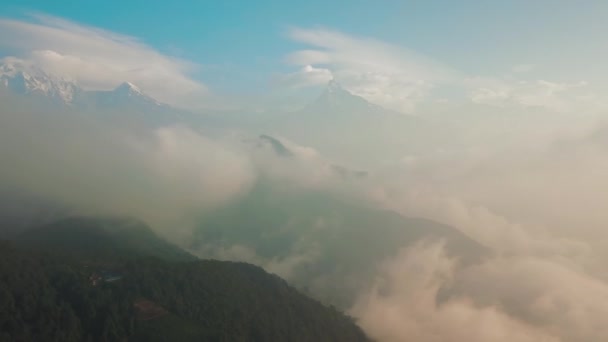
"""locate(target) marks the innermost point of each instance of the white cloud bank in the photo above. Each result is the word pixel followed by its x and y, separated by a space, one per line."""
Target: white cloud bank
pixel 542 94
pixel 166 176
pixel 100 59
pixel 540 211
pixel 402 306
pixel 542 214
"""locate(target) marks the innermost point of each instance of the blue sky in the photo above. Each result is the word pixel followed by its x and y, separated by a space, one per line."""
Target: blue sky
pixel 231 34
pixel 206 30
pixel 245 46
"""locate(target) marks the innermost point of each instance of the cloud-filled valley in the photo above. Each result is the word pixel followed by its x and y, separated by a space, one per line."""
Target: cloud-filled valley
pixel 475 216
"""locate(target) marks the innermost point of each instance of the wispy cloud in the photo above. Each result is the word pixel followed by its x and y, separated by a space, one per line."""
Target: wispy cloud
pixel 401 79
pixel 383 73
pixel 541 215
pixel 402 307
pixel 100 59
pixel 543 94
pixel 164 176
pixel 307 76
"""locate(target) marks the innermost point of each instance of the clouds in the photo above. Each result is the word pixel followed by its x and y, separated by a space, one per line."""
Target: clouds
pixel 307 76
pixel 400 79
pixel 543 94
pixel 496 168
pixel 382 73
pixel 422 295
pixel 285 267
pixel 167 176
pixel 100 59
pixel 503 298
pixel 538 210
pixel 550 294
pixel 403 305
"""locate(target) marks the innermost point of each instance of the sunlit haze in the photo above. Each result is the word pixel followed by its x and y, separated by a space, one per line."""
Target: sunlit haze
pixel 435 169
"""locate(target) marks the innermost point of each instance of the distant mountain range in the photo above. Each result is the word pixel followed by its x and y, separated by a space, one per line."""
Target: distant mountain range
pixel 124 102
pixel 365 130
pixel 32 81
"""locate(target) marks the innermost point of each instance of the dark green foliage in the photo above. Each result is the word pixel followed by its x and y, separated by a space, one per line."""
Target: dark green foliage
pixel 48 296
pixel 238 302
pixel 101 237
pixel 45 298
pixel 170 328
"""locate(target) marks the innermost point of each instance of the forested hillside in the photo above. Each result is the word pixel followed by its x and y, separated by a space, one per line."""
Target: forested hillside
pixel 47 295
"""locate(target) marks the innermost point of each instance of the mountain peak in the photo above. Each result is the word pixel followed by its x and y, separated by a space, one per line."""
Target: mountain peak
pixel 128 87
pixel 130 93
pixel 277 146
pixel 336 96
pixel 26 79
pixel 334 86
pixel 13 68
pixel 126 94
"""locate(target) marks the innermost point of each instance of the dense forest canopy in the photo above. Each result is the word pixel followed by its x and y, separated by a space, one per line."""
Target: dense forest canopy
pixel 64 292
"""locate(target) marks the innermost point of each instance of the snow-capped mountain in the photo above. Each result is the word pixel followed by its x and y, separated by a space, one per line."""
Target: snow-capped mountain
pixel 338 106
pixel 126 96
pixel 351 130
pixel 29 80
pixel 33 81
pixel 125 103
pixel 337 98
